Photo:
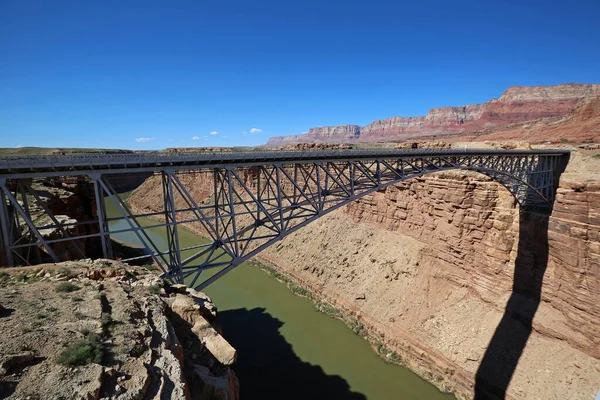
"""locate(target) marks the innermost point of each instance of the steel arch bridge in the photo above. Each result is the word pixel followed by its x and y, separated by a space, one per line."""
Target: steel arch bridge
pixel 256 198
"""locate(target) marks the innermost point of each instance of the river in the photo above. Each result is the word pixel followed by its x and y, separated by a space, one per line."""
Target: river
pixel 286 348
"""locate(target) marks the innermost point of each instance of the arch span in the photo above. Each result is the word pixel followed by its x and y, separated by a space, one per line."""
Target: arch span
pixel 253 210
pixel 257 198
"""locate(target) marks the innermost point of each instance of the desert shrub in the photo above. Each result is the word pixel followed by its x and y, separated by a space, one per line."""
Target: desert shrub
pixel 564 140
pixel 4 276
pixel 154 289
pixel 67 287
pixel 297 290
pixel 328 309
pixel 85 331
pixel 82 352
pixel 41 315
pixel 356 327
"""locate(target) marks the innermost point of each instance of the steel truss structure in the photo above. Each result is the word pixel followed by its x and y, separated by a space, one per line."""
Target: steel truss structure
pixel 256 199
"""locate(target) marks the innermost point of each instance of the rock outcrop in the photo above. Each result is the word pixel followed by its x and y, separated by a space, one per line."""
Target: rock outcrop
pixel 517 104
pixel 115 332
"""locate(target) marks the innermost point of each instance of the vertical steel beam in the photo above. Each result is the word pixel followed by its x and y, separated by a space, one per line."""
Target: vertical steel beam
pixel 352 175
pixel 101 215
pixel 319 189
pixel 236 247
pixel 176 246
pixel 4 224
pixel 295 183
pixel 171 226
pixel 216 197
pixel 279 197
pixel 326 168
pixel 258 195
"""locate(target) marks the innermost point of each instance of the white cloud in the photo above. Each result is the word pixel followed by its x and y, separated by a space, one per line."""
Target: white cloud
pixel 224 137
pixel 205 137
pixel 143 139
pixel 214 132
pixel 195 137
pixel 255 130
pixel 19 146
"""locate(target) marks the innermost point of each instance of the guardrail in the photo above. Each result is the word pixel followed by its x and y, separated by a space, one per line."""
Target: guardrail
pixel 12 162
pixel 79 162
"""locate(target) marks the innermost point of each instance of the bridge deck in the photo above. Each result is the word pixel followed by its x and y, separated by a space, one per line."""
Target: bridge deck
pixel 31 166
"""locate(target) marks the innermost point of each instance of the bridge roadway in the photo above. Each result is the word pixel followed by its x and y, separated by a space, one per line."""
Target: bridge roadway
pixel 82 164
pixel 256 199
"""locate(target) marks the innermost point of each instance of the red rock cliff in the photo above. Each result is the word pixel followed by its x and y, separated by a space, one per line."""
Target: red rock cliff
pixel 516 105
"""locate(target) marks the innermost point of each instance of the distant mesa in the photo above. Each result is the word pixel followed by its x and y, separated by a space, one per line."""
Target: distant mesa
pixel 546 105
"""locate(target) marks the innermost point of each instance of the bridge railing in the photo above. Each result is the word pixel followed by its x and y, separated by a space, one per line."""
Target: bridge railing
pixel 83 160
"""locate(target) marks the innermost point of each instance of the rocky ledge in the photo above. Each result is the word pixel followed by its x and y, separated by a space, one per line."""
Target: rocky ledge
pixel 105 330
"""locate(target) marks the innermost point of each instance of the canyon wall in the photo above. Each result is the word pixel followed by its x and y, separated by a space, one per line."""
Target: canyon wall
pixel 517 104
pixel 429 266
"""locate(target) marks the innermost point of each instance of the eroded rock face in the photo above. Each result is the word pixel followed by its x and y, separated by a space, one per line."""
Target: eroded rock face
pixel 190 309
pixel 558 92
pixel 341 133
pixel 428 266
pixel 392 126
pixel 471 226
pixel 517 104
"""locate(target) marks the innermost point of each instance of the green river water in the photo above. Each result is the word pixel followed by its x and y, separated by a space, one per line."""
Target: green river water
pixel 286 348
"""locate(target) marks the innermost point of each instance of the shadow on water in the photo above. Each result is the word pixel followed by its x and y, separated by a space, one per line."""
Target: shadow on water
pixel 267 366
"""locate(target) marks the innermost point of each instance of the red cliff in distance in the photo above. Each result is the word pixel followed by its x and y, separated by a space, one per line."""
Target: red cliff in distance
pixel 518 104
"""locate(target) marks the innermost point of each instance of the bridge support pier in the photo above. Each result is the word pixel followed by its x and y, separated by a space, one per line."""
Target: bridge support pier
pixel 5 225
pixel 107 250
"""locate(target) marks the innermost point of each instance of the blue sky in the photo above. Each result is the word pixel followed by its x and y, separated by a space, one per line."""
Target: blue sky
pixel 105 73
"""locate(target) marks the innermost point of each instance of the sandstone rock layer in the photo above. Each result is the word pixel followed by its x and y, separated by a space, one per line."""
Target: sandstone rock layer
pixel 547 105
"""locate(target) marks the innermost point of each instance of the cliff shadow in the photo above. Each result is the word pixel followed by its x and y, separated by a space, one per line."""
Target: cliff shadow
pixel 267 366
pixel 508 342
